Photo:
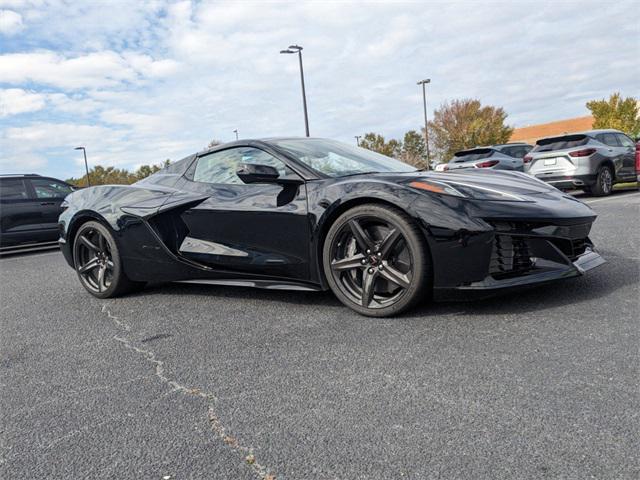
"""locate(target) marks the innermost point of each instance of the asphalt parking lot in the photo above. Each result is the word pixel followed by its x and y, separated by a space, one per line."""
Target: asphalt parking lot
pixel 188 381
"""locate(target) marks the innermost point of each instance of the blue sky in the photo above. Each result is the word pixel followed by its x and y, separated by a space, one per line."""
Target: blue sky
pixel 138 82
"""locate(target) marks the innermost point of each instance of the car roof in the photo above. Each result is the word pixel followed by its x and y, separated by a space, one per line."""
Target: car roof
pixel 18 175
pixel 588 133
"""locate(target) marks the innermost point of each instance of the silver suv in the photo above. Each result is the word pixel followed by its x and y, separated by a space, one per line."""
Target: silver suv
pixel 593 161
pixel 498 157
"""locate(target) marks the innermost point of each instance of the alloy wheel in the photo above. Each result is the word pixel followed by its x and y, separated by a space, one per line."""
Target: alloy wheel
pixel 94 261
pixel 606 181
pixel 371 262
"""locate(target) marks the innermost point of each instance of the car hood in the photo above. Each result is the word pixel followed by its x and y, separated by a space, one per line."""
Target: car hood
pixel 507 181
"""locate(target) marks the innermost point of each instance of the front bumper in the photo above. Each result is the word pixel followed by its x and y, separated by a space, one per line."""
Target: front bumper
pixel 544 271
pixel 525 254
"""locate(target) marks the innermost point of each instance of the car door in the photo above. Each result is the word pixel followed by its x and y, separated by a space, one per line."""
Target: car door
pixel 20 215
pixel 628 156
pixel 250 229
pixel 49 194
pixel 615 152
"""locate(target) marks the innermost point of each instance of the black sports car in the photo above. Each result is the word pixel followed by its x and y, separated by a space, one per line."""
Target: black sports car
pixel 314 214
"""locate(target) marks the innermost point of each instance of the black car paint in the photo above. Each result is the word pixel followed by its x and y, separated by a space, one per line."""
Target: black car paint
pixel 275 232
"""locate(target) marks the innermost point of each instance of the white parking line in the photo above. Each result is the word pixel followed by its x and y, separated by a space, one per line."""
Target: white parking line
pixel 614 197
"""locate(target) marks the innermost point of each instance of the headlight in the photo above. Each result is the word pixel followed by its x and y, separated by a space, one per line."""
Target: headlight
pixel 465 190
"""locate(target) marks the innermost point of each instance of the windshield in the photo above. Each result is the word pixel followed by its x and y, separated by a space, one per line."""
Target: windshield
pixel 471 155
pixel 337 159
pixel 560 143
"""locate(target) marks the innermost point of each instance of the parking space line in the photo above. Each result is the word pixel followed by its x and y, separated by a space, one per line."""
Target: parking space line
pixel 616 197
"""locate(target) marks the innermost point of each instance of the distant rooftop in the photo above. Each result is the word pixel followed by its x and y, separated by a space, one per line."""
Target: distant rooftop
pixel 532 133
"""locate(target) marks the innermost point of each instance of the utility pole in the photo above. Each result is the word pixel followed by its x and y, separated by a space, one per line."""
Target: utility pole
pixel 426 123
pixel 298 49
pixel 86 165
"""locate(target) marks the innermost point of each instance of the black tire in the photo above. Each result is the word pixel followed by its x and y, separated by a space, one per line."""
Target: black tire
pixel 376 260
pixel 98 264
pixel 604 182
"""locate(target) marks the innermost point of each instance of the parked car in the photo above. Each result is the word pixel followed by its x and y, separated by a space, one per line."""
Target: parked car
pixel 316 214
pixel 497 157
pixel 441 167
pixel 593 161
pixel 29 210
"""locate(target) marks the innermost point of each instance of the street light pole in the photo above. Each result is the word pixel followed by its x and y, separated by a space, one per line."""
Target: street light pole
pixel 236 132
pixel 298 49
pixel 426 124
pixel 358 139
pixel 86 165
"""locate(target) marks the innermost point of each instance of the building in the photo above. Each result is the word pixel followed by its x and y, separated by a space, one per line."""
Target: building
pixel 532 133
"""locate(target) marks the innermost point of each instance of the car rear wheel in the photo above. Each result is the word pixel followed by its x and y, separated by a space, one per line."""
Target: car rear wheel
pixel 376 260
pixel 98 263
pixel 604 182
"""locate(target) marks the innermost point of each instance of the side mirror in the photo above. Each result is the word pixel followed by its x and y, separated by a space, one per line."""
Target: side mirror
pixel 253 173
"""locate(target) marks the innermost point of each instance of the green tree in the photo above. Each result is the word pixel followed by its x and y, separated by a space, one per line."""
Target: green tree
pixel 465 123
pixel 414 150
pixel 621 114
pixel 100 175
pixel 377 143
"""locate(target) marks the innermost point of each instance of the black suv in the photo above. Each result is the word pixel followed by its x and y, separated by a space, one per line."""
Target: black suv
pixel 29 210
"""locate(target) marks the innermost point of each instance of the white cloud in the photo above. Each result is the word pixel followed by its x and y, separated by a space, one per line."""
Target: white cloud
pixel 10 22
pixel 15 100
pixel 93 70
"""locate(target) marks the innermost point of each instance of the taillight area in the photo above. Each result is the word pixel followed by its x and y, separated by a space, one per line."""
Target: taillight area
pixel 527 159
pixel 582 153
pixel 487 164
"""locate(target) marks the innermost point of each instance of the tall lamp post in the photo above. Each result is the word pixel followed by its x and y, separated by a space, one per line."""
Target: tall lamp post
pixel 86 165
pixel 298 49
pixel 236 132
pixel 426 124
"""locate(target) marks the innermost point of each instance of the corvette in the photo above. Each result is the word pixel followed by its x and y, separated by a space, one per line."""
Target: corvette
pixel 316 214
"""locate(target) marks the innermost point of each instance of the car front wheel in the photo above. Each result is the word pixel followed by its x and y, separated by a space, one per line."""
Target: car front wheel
pixel 98 263
pixel 376 260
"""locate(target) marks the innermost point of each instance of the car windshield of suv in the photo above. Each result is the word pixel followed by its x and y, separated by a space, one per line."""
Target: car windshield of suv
pixel 337 159
pixel 471 155
pixel 560 143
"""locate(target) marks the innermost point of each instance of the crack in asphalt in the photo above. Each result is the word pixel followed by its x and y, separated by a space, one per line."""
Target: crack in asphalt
pixel 214 420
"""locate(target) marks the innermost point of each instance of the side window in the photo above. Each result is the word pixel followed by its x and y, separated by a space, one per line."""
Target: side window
pixel 625 141
pixel 13 189
pixel 220 167
pixel 610 139
pixel 48 188
pixel 516 152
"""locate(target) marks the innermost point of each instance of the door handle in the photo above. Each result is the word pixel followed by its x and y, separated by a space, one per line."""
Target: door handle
pixel 47 203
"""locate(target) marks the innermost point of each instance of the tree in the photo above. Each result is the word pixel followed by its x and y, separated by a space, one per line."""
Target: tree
pixel 377 143
pixel 465 123
pixel 414 150
pixel 214 143
pixel 100 175
pixel 618 113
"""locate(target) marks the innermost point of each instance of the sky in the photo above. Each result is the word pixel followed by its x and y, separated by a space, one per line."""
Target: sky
pixel 137 82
